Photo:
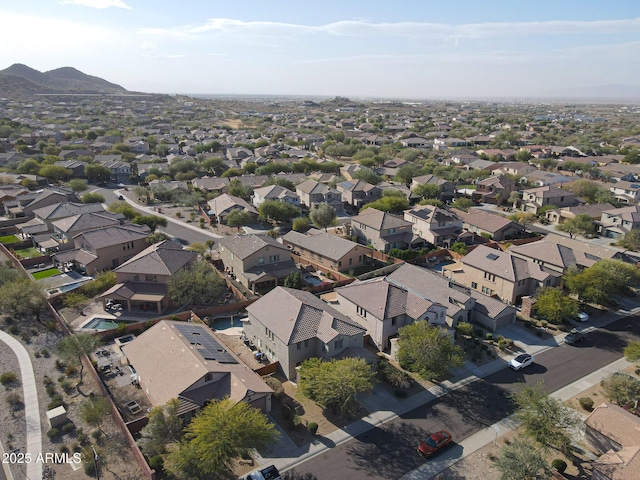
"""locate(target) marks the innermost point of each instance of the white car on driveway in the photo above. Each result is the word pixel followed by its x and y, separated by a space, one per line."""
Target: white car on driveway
pixel 521 361
pixel 583 317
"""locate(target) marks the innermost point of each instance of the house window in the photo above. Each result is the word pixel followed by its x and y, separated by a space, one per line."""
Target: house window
pixel 151 278
pixel 338 344
pixel 474 285
pixel 274 258
pixel 351 261
pixel 487 291
pixel 208 377
pixel 269 334
pixel 299 346
pixel 306 344
pixel 394 320
pixel 261 260
pixel 361 311
pixel 392 230
pixel 340 263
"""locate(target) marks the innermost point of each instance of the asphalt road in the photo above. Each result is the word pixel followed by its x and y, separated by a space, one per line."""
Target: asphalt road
pixel 389 451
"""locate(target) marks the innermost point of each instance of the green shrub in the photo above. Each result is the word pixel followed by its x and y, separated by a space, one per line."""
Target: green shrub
pixel 64 449
pixel 394 377
pixel 586 403
pixel 559 464
pixel 14 330
pixel 313 427
pixel 7 378
pixel 71 370
pixel 156 463
pixel 276 386
pixel 465 328
pixel 46 380
pixel 51 389
pixel 14 400
pixel 53 433
pixel 488 336
pixel 68 427
pixel 56 401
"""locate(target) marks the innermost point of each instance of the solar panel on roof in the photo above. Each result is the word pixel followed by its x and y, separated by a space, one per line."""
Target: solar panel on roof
pixel 492 256
pixel 207 346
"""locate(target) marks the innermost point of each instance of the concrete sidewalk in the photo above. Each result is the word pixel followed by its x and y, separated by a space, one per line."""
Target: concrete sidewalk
pixel 31 405
pixel 386 407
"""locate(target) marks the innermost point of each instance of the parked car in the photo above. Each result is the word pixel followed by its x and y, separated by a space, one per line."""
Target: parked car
pixel 434 443
pixel 521 361
pixel 574 337
pixel 268 473
pixel 582 317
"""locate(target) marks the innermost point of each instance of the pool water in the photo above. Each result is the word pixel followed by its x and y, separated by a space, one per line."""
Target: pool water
pixel 225 322
pixel 312 280
pixel 102 324
pixel 438 267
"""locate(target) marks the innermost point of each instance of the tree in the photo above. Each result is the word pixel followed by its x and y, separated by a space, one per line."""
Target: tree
pixel 621 388
pixel 92 197
pixel 335 384
pixel 198 247
pixel 157 237
pixel 521 460
pixel 8 274
pixel 199 286
pixel 602 281
pixel 514 197
pixel 523 218
pixel 389 203
pixel 22 298
pixel 460 248
pixel 94 409
pixel 74 300
pixel 293 280
pixel 631 240
pixel 222 431
pixel 164 427
pixel 406 173
pixel 545 419
pixel 581 224
pixel 462 203
pixel 553 305
pixel 239 218
pixel 274 210
pixel 74 347
pixel 323 216
pixel 78 185
pixel 632 351
pixel 301 224
pixel 427 190
pixel 96 172
pixel 151 221
pixel 124 208
pixel 368 175
pixel 425 349
pixel 585 189
pixel 55 173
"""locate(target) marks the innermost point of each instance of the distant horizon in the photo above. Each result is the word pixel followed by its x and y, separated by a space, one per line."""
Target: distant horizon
pixel 466 49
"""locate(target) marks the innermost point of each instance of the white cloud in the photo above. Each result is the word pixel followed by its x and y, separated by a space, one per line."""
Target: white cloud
pixel 99 4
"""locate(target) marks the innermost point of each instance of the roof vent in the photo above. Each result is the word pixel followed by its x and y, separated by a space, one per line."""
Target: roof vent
pixel 492 256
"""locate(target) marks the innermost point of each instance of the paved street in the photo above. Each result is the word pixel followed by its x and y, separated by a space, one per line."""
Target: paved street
pixel 388 451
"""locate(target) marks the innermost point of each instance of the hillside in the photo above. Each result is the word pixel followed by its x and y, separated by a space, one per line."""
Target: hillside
pixel 21 80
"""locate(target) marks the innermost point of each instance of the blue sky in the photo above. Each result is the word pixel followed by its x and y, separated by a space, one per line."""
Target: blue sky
pixel 402 49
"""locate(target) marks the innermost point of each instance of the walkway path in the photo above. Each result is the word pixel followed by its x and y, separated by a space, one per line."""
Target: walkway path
pixel 31 406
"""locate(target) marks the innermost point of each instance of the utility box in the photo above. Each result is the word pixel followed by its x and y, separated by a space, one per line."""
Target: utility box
pixel 57 416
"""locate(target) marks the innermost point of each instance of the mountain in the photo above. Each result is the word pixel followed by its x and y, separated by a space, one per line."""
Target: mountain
pixel 20 80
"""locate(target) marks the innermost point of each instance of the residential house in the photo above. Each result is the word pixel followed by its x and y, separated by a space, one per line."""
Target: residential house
pixel 489 225
pixel 349 170
pixel 142 281
pixel 220 207
pixel 256 261
pixel 103 248
pixel 120 171
pixel 189 362
pixel 541 178
pixel 291 326
pixel 494 189
pixel 416 142
pixel 534 199
pixel 449 142
pixel 24 205
pixel 358 192
pixel 626 192
pixel 277 193
pixel 447 189
pixel 435 225
pixel 383 307
pixel 383 230
pixel 76 167
pixel 313 193
pixel 513 168
pixel 9 193
pixel 43 218
pixel 327 250
pixel 61 238
pixel 146 169
pixel 210 184
pixel 615 434
pixel 481 164
pixel 497 273
pixel 561 215
pixel 616 222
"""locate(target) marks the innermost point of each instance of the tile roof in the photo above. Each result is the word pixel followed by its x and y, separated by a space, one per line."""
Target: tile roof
pixel 88 221
pixel 322 243
pixel 379 220
pixel 615 423
pixel 67 209
pixel 562 251
pixel 484 220
pixel 621 465
pixel 225 203
pixel 296 315
pixel 243 246
pixel 163 258
pixel 503 265
pixel 114 235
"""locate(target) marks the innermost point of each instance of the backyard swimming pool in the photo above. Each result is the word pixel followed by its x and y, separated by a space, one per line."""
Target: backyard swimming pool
pixel 223 323
pixel 99 323
pixel 312 280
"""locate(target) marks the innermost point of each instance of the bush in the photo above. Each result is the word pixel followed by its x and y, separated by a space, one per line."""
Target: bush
pixel 559 464
pixel 488 336
pixel 276 386
pixel 60 366
pixel 66 386
pixel 44 352
pixel 313 427
pixel 156 463
pixel 586 403
pixel 53 433
pixel 51 389
pixel 55 402
pixel 14 400
pixel 465 328
pixel 7 378
pixel 68 427
pixel 14 330
pixel 394 377
pixel 71 370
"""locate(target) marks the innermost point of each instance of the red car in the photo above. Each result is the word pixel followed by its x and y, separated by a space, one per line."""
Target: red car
pixel 434 443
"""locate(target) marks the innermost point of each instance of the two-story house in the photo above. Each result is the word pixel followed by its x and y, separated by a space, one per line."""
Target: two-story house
pixel 489 225
pixel 616 222
pixel 326 250
pixel 291 326
pixel 220 207
pixel 447 188
pixel 383 230
pixel 277 193
pixel 433 224
pixel 534 199
pixel 497 273
pixel 626 192
pixel 313 193
pixel 43 218
pixel 142 281
pixel 256 261
pixel 25 205
pixel 561 215
pixel 358 192
pixel 188 362
pixel 494 189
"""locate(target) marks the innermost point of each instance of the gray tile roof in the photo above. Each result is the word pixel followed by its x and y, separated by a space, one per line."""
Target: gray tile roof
pixel 325 244
pixel 163 258
pixel 486 221
pixel 503 265
pixel 225 203
pixel 296 315
pixel 67 209
pixel 561 252
pixel 273 192
pixel 243 246
pixel 88 221
pixel 114 235
pixel 379 220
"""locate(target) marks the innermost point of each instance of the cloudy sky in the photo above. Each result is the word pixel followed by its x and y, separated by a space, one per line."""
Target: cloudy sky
pixel 355 48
